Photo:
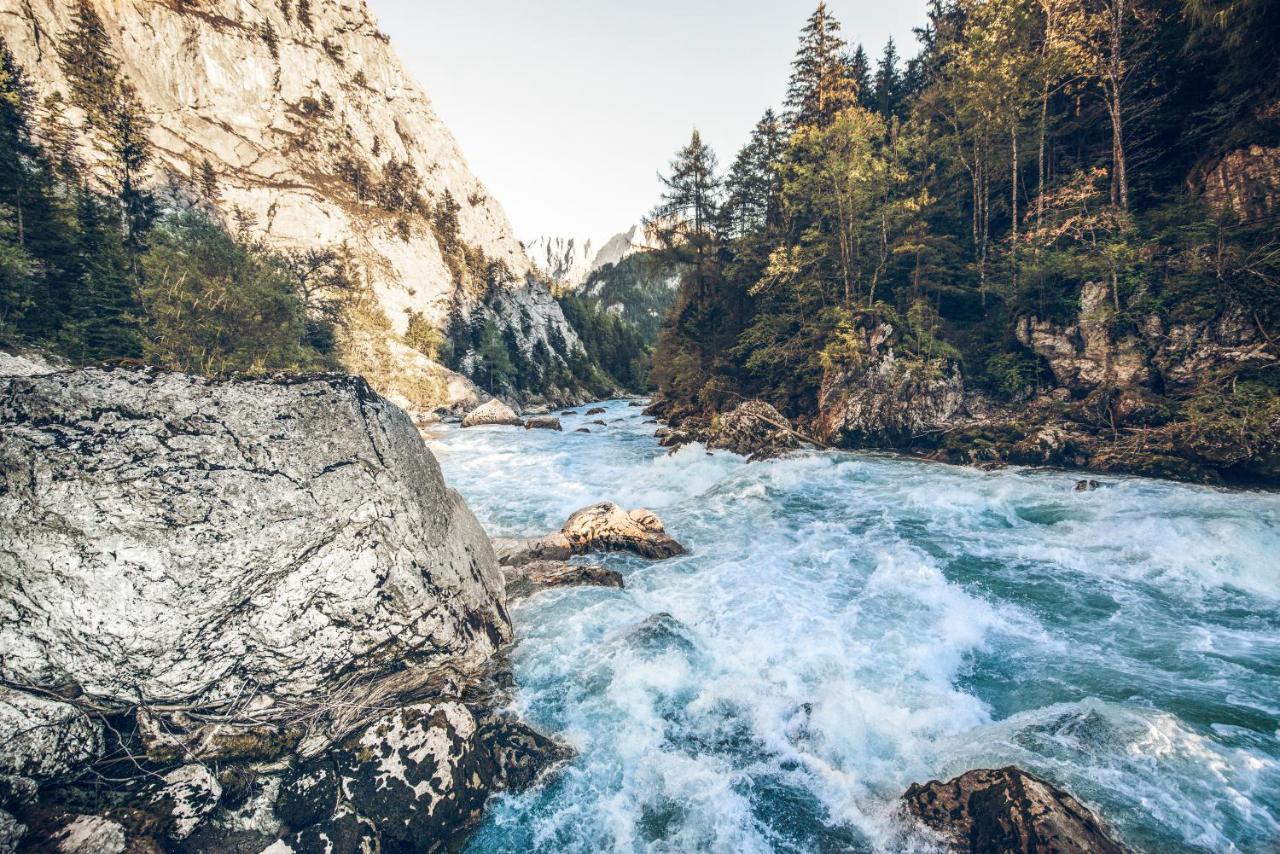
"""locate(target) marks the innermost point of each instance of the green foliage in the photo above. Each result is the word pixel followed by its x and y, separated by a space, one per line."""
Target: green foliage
pixel 215 304
pixel 617 347
pixel 422 336
pixel 1029 149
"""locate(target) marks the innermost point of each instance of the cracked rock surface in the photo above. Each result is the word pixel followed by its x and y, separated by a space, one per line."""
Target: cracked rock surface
pixel 166 539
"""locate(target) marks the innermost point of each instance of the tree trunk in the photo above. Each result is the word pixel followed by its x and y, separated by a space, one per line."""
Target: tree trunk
pixel 1013 196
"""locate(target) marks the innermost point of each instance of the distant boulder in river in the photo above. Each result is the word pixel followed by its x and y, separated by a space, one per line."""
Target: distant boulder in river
pixel 493 412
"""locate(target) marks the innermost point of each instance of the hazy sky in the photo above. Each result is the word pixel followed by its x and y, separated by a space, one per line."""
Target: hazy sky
pixel 566 109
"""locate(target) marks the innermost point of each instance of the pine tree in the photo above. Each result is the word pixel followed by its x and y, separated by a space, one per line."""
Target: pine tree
pixel 684 219
pixel 114 115
pixel 823 81
pixel 887 95
pixel 860 74
pixel 752 186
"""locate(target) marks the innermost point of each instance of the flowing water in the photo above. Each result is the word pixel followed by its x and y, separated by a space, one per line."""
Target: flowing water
pixel 847 624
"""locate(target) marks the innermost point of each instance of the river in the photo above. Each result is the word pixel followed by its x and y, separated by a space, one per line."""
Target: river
pixel 847 624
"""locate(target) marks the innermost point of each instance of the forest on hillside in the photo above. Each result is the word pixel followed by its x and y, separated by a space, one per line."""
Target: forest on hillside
pixel 1029 148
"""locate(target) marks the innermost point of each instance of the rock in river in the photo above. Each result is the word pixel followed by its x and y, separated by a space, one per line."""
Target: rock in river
pixel 416 774
pixel 543 422
pixel 1007 811
pixel 600 527
pixel 493 412
pixel 753 429
pixel 239 577
pixel 528 578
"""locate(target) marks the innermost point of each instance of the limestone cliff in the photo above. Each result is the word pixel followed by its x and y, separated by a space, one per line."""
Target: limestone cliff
pixel 297 120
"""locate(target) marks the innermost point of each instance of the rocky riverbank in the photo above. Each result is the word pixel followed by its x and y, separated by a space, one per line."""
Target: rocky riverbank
pixel 1137 402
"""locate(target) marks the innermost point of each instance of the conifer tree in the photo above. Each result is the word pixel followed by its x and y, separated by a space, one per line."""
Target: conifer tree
pixel 753 183
pixel 684 220
pixel 823 81
pixel 887 96
pixel 860 74
pixel 114 115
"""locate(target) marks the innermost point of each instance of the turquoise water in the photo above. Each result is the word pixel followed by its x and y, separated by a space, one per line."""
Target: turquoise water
pixel 846 624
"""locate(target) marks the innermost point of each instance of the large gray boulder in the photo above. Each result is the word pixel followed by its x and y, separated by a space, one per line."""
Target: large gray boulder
pixel 272 545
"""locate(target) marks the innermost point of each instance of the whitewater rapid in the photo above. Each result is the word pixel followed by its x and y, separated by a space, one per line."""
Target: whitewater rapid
pixel 847 624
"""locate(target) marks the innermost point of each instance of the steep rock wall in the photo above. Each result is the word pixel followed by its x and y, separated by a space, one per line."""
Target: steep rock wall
pixel 276 101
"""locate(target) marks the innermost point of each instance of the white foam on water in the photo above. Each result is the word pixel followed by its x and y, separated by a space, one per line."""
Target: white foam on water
pixel 845 625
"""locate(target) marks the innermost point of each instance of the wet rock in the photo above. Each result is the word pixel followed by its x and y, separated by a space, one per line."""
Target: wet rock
pixel 44 740
pixel 637 403
pixel 1086 485
pixel 600 527
pixel 569 412
pixel 192 541
pixel 600 422
pixel 528 578
pixel 607 527
pixel 543 422
pixel 493 412
pixel 413 779
pixel 753 429
pixel 582 430
pixel 1007 810
pixel 596 410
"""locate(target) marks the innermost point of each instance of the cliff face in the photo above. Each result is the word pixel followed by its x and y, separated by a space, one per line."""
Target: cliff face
pixel 297 119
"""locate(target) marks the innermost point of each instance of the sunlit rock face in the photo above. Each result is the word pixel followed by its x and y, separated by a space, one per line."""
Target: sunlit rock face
pixel 169 540
pixel 278 101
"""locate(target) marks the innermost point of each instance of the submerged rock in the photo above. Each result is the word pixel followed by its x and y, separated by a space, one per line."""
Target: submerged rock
pixel 1007 810
pixel 528 578
pixel 493 412
pixel 753 429
pixel 600 527
pixel 412 779
pixel 543 422
pixel 596 410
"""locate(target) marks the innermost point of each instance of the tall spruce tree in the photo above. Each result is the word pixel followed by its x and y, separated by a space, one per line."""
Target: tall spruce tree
pixel 887 95
pixel 823 80
pixel 114 115
pixel 753 184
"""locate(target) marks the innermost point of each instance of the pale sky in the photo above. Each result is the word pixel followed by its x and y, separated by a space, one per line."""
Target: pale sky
pixel 566 109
